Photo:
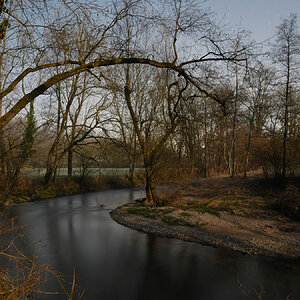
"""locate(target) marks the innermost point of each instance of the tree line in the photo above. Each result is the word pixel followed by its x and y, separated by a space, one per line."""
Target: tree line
pixel 159 85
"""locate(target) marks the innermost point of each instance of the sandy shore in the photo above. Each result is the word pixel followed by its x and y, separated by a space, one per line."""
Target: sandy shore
pixel 256 236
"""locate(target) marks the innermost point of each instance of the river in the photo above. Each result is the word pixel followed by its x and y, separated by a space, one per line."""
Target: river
pixel 114 262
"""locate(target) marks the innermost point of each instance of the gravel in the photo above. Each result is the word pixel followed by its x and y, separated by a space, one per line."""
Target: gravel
pixel 245 235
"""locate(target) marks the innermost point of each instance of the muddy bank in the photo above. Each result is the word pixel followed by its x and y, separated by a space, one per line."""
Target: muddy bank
pixel 254 236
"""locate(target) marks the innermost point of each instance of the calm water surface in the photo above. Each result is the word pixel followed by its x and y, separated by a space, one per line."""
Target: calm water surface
pixel 114 262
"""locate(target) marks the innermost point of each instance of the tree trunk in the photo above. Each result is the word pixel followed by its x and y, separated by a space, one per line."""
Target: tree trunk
pixel 131 170
pixel 48 175
pixel 205 139
pixel 151 195
pixel 16 176
pixel 233 153
pixel 2 158
pixel 51 170
pixel 286 121
pixel 249 144
pixel 70 164
pixel 285 134
pixel 9 175
pixel 132 158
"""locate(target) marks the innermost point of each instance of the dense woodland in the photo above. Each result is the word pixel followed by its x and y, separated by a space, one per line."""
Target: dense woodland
pixel 158 85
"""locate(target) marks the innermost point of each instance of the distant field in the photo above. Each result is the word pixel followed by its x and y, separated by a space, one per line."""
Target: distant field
pixel 39 172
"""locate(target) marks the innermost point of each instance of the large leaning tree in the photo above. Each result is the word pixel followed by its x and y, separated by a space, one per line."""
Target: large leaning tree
pixel 186 27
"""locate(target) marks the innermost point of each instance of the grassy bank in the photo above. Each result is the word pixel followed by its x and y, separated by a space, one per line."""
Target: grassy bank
pixel 252 216
pixel 249 197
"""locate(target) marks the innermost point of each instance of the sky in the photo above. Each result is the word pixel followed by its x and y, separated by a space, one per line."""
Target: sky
pixel 259 16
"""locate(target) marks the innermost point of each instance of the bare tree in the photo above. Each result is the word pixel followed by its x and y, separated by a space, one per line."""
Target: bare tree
pixel 100 47
pixel 286 53
pixel 259 88
pixel 100 54
pixel 150 126
pixel 127 139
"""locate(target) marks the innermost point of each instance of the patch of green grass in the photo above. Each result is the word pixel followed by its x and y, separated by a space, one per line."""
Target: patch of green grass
pixel 206 208
pixel 139 203
pixel 185 214
pixel 210 210
pixel 139 208
pixel 167 211
pixel 172 221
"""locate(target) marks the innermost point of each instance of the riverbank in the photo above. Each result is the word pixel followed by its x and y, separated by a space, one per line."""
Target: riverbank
pixel 222 213
pixel 34 189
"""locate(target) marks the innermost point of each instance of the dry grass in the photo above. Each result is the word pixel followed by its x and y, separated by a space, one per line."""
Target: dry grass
pixel 256 294
pixel 252 196
pixel 23 278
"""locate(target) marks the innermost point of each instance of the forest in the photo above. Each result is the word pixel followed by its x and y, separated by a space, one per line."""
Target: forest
pixel 194 118
pixel 160 88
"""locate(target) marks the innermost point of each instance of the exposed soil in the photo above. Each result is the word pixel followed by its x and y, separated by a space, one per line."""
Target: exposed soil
pixel 240 214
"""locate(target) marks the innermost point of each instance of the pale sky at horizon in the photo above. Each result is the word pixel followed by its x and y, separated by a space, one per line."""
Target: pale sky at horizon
pixel 259 16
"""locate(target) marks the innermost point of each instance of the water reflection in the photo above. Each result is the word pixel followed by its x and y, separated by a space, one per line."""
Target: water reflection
pixel 114 262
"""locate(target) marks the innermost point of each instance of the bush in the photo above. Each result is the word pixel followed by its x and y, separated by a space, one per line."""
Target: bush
pixel 289 202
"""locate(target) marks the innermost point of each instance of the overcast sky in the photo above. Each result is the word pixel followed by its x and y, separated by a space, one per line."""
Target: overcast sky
pixel 259 16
